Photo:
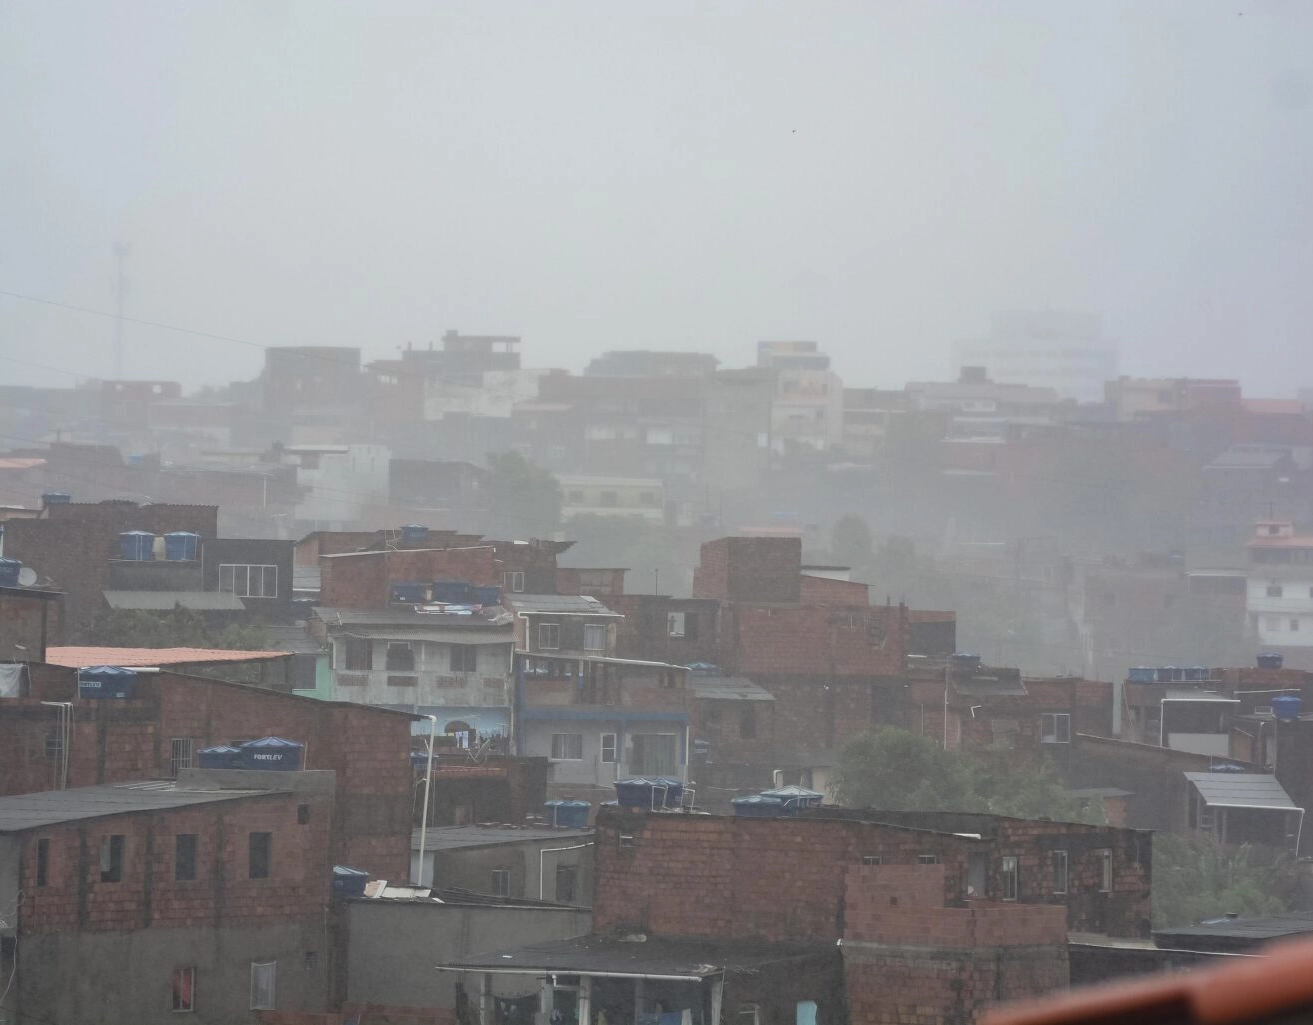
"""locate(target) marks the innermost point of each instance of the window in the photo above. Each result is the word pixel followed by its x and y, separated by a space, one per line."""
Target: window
pixel 675 624
pixel 179 755
pixel 1008 871
pixel 567 747
pixel 54 744
pixel 513 580
pixel 464 658
pixel 749 1014
pixel 871 859
pixel 1105 870
pixel 310 960
pixel 184 857
pixel 42 861
pixel 655 754
pixel 1294 625
pixel 400 656
pixel 566 875
pixel 184 989
pixel 1059 862
pixel 358 653
pixel 625 841
pixel 501 882
pixel 1274 590
pixel 608 747
pixel 927 859
pixel 260 850
pixel 748 723
pixel 303 814
pixel 594 637
pixel 549 636
pixel 111 859
pixel 263 977
pixel 1055 728
pixel 805 1013
pixel 249 581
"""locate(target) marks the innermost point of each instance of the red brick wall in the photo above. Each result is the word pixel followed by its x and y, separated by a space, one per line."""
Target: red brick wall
pixel 21 623
pixel 824 591
pixel 72 545
pixel 759 569
pixel 363 581
pixel 299 881
pixel 815 640
pixel 120 741
pixel 645 631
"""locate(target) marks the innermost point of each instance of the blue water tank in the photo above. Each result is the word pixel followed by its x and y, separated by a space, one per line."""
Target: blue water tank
pixel 220 757
pixel 137 545
pixel 453 592
pixel 55 498
pixel 758 806
pixel 1287 707
pixel 181 546
pixel 651 792
pixel 414 533
pixel 9 570
pixel 1168 674
pixel 1142 674
pixel 349 882
pixel 1270 660
pixel 795 798
pixel 97 682
pixel 273 753
pixel 570 814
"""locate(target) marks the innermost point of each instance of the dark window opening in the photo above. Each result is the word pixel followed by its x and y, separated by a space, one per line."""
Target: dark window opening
pixel 566 876
pixel 111 859
pixel 464 658
pixel 42 862
pixel 261 849
pixel 302 814
pixel 184 857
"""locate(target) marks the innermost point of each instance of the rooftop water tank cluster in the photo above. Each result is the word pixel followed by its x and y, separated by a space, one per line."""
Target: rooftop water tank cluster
pixel 654 793
pixel 107 683
pixel 1270 660
pixel 9 570
pixel 569 814
pixel 1287 707
pixel 268 754
pixel 771 804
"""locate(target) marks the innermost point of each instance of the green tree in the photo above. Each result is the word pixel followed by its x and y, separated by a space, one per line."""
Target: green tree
pixel 177 628
pixel 1196 878
pixel 897 770
pixel 524 499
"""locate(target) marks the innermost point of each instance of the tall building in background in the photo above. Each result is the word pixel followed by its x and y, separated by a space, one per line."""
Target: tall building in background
pixel 1045 348
pixel 808 408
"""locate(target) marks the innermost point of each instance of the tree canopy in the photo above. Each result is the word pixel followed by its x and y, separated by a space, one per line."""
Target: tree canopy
pixel 1196 878
pixel 524 499
pixel 897 770
pixel 177 628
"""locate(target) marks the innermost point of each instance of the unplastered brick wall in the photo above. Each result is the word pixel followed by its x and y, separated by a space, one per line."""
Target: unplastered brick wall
pixel 909 959
pixel 72 545
pixel 813 639
pixel 363 580
pixel 755 569
pixel 75 896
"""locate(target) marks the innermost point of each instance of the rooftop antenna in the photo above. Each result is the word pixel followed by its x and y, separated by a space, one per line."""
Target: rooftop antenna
pixel 120 293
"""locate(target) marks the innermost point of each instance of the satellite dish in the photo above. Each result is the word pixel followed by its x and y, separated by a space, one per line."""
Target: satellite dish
pixel 26 576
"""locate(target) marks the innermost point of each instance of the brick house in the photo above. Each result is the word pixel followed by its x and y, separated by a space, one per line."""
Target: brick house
pixel 31 619
pixel 834 916
pixel 72 545
pixel 135 901
pixel 157 732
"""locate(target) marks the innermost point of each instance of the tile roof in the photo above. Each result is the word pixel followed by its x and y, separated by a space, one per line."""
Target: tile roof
pixel 78 657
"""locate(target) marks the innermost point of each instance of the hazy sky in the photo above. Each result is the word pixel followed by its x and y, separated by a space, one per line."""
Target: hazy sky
pixel 881 177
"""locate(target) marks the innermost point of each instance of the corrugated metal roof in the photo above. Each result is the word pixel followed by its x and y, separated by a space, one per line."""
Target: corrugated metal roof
pixel 1241 790
pixel 447 838
pixel 693 960
pixel 34 811
pixel 77 658
pixel 201 601
pixel 1291 924
pixel 727 688
pixel 1194 694
pixel 576 604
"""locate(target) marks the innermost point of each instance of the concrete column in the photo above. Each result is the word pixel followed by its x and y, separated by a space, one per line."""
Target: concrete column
pixel 585 1000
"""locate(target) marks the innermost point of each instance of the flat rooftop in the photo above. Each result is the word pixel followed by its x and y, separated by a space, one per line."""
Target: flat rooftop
pixel 450 838
pixel 50 808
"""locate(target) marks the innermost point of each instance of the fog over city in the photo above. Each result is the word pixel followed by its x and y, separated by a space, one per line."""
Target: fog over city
pixel 880 177
pixel 723 513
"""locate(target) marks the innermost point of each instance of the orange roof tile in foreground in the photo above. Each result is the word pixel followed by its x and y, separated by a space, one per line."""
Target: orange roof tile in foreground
pixel 1275 986
pixel 77 658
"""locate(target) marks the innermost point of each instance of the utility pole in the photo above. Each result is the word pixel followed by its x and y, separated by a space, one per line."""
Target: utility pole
pixel 120 293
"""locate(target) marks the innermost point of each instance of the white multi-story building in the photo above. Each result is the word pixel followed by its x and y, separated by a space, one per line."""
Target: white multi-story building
pixel 807 410
pixel 1045 349
pixel 1280 590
